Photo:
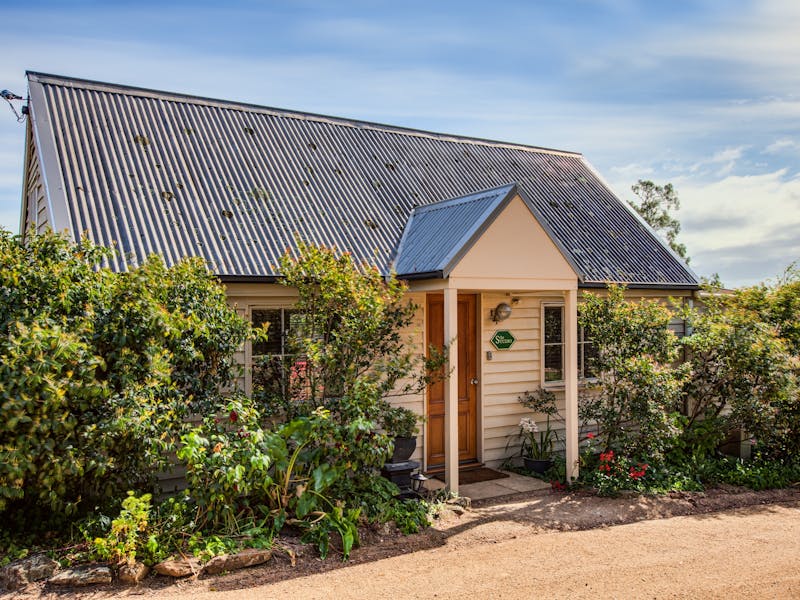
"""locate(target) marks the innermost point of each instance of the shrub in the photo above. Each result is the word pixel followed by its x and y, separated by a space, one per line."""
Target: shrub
pixel 130 537
pixel 636 397
pixel 741 377
pixel 353 357
pixel 99 369
pixel 399 421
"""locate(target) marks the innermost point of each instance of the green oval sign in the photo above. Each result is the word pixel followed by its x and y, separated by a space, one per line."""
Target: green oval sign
pixel 503 340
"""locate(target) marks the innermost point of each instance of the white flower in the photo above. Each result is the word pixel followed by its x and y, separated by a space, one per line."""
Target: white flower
pixel 528 425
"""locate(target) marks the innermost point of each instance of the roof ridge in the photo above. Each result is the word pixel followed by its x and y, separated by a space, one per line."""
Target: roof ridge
pixel 465 198
pixel 75 82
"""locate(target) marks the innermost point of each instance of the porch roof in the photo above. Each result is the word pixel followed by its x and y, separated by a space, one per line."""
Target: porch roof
pixel 437 235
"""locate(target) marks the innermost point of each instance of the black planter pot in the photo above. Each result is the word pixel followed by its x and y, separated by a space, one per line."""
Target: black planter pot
pixel 537 465
pixel 403 448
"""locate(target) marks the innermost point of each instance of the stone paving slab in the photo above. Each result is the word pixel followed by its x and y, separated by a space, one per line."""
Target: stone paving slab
pixel 513 484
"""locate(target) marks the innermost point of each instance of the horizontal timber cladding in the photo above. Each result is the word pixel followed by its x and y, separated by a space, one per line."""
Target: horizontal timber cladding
pixel 509 372
pixel 414 335
pixel 504 378
pixel 37 215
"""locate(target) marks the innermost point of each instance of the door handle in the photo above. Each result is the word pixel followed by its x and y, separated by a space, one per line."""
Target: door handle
pixel 474 381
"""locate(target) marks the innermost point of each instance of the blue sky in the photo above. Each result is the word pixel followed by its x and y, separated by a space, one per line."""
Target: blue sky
pixel 703 94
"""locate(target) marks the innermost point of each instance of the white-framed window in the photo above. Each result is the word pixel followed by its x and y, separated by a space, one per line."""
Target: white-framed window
pixel 553 343
pixel 271 360
pixel 281 322
pixel 553 347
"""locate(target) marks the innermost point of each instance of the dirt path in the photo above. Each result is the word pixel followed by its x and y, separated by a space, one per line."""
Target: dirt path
pixel 751 552
pixel 720 545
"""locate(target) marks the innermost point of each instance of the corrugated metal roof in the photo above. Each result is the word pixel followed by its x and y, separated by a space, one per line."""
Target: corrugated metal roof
pixel 156 172
pixel 438 234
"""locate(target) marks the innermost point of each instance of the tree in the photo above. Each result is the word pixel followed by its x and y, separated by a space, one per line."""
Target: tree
pixel 654 206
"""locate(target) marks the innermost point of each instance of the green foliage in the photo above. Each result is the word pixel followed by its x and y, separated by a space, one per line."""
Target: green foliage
pixel 339 520
pixel 409 516
pixel 399 421
pixel 130 537
pixel 614 473
pixel 352 325
pixel 352 356
pixel 758 475
pixel 742 376
pixel 636 397
pixel 99 369
pixel 655 205
pixel 379 502
pixel 228 459
pixel 537 444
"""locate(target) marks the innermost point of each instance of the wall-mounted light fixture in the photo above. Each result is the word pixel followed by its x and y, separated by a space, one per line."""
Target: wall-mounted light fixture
pixel 501 312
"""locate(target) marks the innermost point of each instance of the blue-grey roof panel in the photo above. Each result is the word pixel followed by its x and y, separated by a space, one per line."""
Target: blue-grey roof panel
pixel 437 233
pixel 155 172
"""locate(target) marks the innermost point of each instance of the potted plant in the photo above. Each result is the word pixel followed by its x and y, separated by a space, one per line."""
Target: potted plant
pixel 401 423
pixel 536 448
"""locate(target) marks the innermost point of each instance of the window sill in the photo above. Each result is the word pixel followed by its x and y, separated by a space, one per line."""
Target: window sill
pixel 559 386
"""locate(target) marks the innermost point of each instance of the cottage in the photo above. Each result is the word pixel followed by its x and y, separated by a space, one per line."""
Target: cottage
pixel 495 239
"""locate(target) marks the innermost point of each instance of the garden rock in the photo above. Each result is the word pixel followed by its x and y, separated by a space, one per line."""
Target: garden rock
pixel 132 574
pixel 20 573
pixel 82 576
pixel 178 568
pixel 462 501
pixel 232 562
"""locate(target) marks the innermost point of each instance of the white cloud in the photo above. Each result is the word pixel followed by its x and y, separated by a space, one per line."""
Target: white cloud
pixel 739 220
pixel 781 146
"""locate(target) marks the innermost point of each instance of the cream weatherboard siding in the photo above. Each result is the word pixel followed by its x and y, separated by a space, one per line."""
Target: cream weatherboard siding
pixel 509 372
pixel 415 336
pixel 36 214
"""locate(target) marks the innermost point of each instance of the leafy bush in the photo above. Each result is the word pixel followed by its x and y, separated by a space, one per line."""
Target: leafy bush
pixel 614 473
pixel 130 537
pixel 636 398
pixel 353 357
pixel 99 369
pixel 399 421
pixel 352 324
pixel 742 376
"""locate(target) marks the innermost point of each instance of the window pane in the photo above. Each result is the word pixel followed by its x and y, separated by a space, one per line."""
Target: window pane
pixel 271 317
pixel 553 363
pixel 589 352
pixel 552 324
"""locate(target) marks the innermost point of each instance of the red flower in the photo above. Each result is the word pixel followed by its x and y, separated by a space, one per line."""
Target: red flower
pixel 607 456
pixel 234 416
pixel 590 435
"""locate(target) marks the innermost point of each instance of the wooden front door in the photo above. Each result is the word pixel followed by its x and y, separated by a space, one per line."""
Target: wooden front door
pixel 467 381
